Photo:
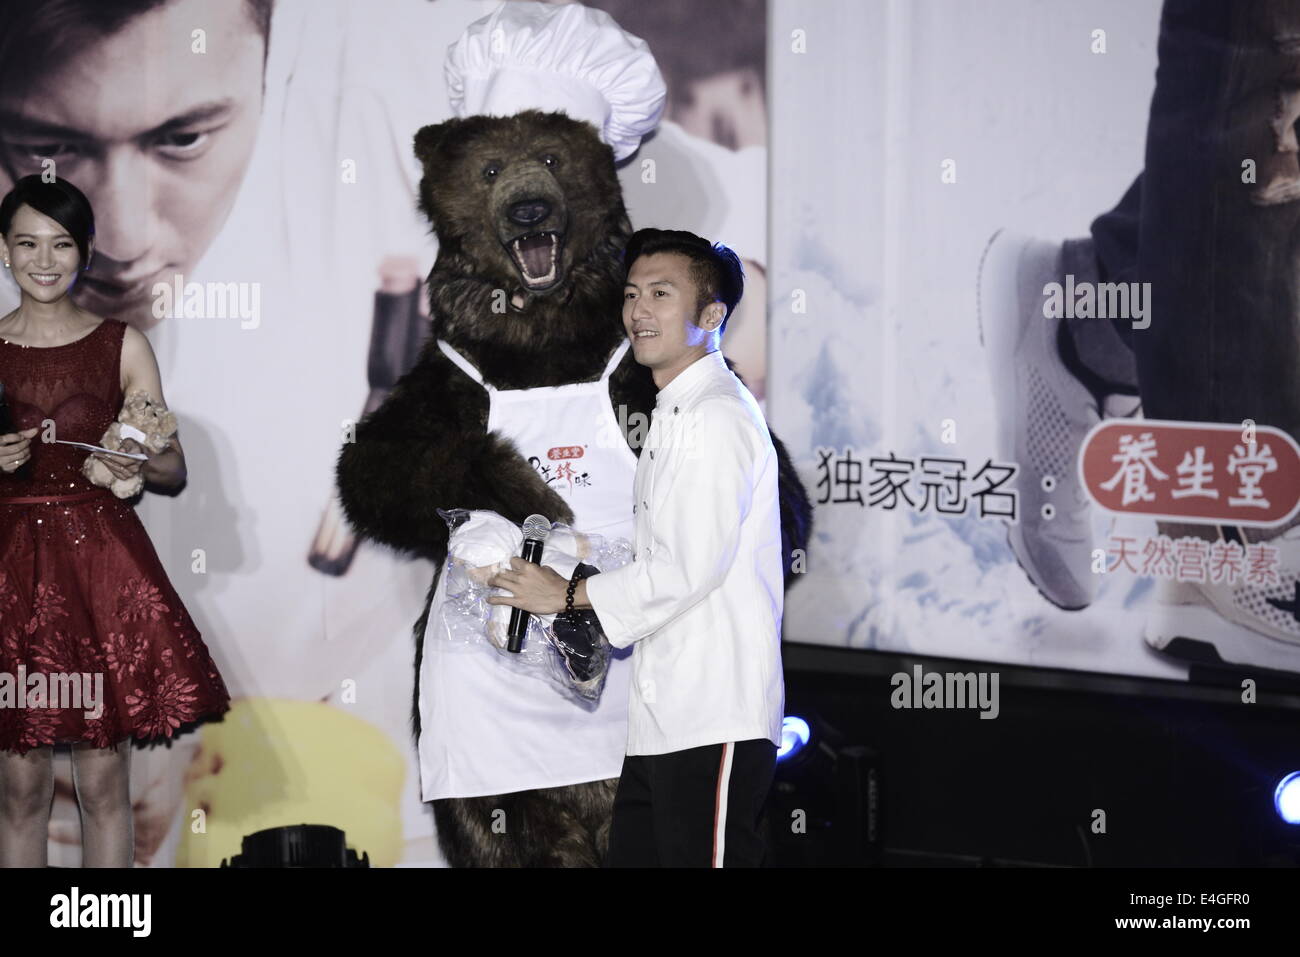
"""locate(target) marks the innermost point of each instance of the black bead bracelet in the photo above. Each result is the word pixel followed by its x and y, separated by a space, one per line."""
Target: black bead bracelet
pixel 577 576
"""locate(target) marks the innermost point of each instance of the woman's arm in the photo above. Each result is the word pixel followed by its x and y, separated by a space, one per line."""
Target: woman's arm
pixel 140 372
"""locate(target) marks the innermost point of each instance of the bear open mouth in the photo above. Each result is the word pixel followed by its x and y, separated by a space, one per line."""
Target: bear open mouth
pixel 537 256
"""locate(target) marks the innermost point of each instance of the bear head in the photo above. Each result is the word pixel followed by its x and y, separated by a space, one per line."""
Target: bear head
pixel 531 229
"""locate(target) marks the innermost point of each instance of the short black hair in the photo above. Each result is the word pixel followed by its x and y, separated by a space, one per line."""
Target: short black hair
pixel 715 268
pixel 57 199
pixel 36 38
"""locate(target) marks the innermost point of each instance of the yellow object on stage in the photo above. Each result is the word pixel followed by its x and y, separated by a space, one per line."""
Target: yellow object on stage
pixel 275 763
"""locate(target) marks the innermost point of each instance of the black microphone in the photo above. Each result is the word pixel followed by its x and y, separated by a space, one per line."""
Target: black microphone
pixel 6 420
pixel 536 530
pixel 8 426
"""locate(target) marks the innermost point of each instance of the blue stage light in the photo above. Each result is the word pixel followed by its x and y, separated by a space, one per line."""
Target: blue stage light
pixel 794 735
pixel 1287 798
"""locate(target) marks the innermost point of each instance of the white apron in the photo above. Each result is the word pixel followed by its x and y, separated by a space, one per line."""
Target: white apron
pixel 486 730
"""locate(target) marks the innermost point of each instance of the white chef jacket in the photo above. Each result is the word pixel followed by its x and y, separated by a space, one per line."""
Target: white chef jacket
pixel 703 598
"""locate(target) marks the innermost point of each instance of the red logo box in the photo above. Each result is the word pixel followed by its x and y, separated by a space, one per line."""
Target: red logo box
pixel 1192 471
pixel 564 452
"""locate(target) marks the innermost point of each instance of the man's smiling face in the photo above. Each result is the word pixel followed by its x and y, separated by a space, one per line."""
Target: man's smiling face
pixel 660 315
pixel 157 136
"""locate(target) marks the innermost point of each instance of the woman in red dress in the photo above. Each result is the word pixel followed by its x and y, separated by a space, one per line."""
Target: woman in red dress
pixel 84 599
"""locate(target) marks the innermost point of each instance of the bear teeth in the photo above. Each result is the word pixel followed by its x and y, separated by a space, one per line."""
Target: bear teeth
pixel 522 258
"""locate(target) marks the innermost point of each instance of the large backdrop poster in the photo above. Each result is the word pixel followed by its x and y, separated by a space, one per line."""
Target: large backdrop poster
pixel 937 172
pixel 252 159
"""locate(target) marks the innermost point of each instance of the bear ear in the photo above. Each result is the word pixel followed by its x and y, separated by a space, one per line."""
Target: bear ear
pixel 429 138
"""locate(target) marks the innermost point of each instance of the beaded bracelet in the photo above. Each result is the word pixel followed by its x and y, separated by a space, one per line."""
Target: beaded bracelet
pixel 578 575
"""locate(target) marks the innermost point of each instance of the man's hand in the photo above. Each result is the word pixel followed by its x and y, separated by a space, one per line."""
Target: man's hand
pixel 535 588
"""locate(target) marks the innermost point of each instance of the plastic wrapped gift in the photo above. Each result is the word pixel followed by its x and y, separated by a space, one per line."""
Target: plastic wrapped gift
pixel 482 543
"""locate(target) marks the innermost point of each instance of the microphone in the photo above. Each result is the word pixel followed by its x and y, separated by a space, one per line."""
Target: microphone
pixel 6 420
pixel 536 530
pixel 8 425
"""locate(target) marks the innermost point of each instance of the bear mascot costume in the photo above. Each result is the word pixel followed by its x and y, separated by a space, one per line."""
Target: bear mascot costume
pixel 527 354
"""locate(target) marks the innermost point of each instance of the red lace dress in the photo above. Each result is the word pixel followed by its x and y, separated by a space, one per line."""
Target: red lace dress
pixel 82 591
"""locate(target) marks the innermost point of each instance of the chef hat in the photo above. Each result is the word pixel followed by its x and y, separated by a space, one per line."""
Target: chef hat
pixel 530 55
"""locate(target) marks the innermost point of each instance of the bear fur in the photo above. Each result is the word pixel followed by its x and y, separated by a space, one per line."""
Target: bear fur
pixel 487 182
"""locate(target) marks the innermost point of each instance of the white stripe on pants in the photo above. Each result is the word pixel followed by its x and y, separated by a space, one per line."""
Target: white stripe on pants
pixel 720 807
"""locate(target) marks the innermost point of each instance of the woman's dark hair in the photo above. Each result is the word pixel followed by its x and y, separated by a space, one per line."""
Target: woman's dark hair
pixel 59 200
pixel 715 268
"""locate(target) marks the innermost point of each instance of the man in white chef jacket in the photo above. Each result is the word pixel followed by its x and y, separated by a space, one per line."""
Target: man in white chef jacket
pixel 702 602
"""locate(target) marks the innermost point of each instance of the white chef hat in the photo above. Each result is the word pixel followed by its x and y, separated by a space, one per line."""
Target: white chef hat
pixel 569 57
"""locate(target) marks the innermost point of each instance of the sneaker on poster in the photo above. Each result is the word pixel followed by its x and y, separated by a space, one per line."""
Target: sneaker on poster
pixel 1043 414
pixel 1252 625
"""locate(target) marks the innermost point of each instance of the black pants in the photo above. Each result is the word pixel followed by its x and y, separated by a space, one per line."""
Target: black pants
pixel 1224 340
pixel 695 808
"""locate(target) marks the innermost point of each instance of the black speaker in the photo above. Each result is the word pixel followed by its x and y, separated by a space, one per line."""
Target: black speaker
pixel 825 809
pixel 856 821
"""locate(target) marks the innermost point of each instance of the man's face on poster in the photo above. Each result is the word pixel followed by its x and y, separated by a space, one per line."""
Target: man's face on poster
pixel 157 136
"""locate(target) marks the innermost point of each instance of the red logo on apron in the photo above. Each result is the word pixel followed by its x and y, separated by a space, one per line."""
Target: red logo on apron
pixel 564 452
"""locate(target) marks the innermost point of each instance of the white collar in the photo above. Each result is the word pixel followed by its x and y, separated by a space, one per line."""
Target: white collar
pixel 694 374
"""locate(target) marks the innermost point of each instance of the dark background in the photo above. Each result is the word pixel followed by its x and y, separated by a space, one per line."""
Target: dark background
pixel 1185 774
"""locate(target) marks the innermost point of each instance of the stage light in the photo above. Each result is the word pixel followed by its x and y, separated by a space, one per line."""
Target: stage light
pixel 298 845
pixel 829 786
pixel 794 735
pixel 1287 798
